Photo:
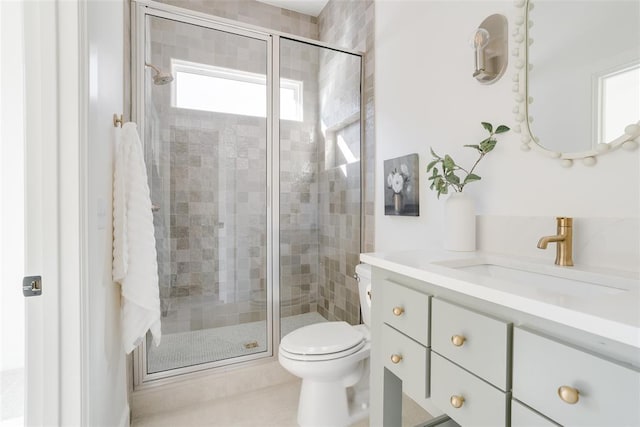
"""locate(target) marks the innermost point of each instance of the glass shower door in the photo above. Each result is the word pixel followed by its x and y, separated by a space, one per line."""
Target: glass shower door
pixel 320 184
pixel 206 99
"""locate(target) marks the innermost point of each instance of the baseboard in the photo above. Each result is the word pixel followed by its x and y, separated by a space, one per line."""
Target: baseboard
pixel 125 418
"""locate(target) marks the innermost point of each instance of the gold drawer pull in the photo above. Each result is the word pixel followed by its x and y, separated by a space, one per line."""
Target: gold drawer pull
pixel 568 394
pixel 458 340
pixel 396 358
pixel 398 311
pixel 456 401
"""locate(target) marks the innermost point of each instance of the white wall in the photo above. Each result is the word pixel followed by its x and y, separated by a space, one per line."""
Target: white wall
pixel 107 399
pixel 426 97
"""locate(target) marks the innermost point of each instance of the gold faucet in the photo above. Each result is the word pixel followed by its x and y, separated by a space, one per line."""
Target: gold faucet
pixel 563 240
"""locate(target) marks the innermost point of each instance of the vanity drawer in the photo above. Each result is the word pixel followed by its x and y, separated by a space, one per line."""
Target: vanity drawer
pixel 406 310
pixel 408 360
pixel 476 342
pixel 483 405
pixel 608 393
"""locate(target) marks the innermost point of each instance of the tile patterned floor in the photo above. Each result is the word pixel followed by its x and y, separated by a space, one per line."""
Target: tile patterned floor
pixel 274 406
pixel 182 349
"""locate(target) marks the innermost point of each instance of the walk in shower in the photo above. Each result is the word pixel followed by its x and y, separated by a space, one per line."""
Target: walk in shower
pixel 252 142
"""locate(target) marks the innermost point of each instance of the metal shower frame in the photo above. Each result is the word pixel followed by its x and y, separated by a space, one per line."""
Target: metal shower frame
pixel 139 10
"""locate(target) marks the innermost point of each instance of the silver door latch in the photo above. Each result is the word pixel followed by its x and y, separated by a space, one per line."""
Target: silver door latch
pixel 32 286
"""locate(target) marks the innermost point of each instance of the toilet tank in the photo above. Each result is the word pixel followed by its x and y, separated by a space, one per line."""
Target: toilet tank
pixel 363 271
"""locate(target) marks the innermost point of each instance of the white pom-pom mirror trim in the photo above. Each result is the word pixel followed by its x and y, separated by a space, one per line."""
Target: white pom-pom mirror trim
pixel 629 141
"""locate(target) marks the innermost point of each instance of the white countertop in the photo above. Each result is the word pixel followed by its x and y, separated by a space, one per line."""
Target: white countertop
pixel 614 315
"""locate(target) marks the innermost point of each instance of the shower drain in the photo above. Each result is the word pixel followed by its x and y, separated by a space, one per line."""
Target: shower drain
pixel 251 344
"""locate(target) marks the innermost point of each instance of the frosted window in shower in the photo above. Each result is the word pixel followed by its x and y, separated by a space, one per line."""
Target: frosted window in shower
pixel 224 90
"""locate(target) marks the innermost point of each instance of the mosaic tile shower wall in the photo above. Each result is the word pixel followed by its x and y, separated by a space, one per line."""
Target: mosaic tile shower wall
pixel 350 23
pixel 347 23
pixel 208 174
pixel 320 237
pixel 198 257
pixel 299 166
pixel 339 199
pixel 299 149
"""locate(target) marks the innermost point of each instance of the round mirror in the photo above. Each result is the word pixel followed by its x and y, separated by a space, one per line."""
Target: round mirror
pixel 578 86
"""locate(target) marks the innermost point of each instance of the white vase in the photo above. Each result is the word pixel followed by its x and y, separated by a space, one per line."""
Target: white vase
pixel 460 223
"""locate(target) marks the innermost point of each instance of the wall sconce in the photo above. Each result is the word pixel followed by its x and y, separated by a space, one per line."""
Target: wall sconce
pixel 489 42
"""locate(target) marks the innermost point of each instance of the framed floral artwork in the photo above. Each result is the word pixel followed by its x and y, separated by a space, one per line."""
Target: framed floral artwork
pixel 402 190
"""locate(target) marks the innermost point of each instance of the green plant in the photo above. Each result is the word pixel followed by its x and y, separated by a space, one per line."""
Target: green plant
pixel 444 170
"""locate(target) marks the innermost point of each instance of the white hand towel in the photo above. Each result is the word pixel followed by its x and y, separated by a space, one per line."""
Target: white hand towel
pixel 135 265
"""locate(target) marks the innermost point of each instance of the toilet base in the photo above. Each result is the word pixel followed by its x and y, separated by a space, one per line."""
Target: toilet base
pixel 340 407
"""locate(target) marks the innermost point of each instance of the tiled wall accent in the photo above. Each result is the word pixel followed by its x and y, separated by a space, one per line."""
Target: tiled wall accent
pixel 350 23
pixel 203 286
pixel 347 23
pixel 339 243
pixel 340 210
pixel 299 147
pixel 255 13
pixel 317 203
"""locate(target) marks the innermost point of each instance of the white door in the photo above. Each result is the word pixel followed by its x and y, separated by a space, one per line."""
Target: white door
pixel 41 218
pixel 74 366
pixel 31 188
pixel 26 231
pixel 19 187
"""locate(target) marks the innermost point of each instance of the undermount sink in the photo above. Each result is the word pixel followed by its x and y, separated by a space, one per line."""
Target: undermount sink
pixel 562 280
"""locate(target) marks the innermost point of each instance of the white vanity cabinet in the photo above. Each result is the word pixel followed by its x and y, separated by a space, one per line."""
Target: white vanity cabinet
pixel 571 386
pixel 477 342
pixel 407 360
pixel 479 363
pixel 470 364
pixel 405 337
pixel 406 310
pixel 464 397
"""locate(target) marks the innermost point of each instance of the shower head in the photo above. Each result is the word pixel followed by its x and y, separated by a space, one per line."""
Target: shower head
pixel 160 77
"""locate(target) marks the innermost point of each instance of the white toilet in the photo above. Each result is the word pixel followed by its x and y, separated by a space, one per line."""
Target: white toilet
pixel 332 358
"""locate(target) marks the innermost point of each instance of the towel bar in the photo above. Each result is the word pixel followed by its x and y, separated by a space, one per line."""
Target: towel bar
pixel 118 120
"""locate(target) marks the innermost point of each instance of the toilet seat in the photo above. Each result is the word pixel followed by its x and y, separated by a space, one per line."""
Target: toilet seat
pixel 322 341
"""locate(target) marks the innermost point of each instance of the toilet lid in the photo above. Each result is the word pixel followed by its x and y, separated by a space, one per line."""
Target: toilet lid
pixel 322 338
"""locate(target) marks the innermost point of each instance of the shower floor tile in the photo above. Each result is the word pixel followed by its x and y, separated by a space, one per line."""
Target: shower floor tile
pixel 182 349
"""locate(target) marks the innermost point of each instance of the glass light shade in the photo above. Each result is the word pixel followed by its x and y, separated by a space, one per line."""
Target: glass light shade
pixel 479 38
